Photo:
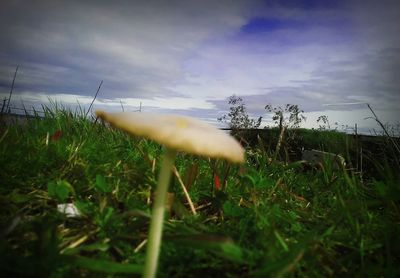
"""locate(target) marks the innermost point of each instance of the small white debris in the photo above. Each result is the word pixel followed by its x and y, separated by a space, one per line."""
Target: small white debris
pixel 70 210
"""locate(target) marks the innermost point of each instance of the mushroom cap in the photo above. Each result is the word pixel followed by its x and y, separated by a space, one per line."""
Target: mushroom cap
pixel 178 132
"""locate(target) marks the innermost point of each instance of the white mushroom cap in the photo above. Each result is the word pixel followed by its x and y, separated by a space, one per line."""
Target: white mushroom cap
pixel 179 133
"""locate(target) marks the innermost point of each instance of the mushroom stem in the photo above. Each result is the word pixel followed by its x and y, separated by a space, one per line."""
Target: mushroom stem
pixel 157 218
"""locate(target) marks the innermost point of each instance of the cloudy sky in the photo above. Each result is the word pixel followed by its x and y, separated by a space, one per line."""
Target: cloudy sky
pixel 188 57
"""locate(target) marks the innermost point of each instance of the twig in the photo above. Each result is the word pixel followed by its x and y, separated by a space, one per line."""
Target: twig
pixel 4 105
pixel 140 246
pixel 204 205
pixel 384 129
pixel 185 191
pixel 75 243
pixel 123 110
pixel 90 107
pixel 12 88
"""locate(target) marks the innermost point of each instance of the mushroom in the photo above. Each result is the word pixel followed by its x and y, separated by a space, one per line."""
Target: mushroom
pixel 176 133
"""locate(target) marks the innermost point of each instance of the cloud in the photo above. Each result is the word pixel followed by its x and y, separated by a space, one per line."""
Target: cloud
pixel 135 47
pixel 192 55
pixel 316 65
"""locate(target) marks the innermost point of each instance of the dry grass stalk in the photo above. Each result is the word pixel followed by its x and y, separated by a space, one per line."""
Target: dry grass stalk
pixel 185 191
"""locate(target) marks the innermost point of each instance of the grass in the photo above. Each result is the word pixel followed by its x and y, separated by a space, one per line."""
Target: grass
pixel 278 219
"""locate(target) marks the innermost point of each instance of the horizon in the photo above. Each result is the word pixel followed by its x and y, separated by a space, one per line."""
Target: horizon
pixel 329 58
pixel 392 130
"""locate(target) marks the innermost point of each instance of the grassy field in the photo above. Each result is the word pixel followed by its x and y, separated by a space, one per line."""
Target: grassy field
pixel 264 218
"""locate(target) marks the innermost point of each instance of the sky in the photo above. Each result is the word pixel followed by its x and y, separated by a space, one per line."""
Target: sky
pixel 188 57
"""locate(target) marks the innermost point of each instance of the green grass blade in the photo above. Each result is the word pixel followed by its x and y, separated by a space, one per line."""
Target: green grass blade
pixel 105 266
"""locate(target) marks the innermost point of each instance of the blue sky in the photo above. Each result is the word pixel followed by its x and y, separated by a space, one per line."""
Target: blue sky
pixel 188 57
